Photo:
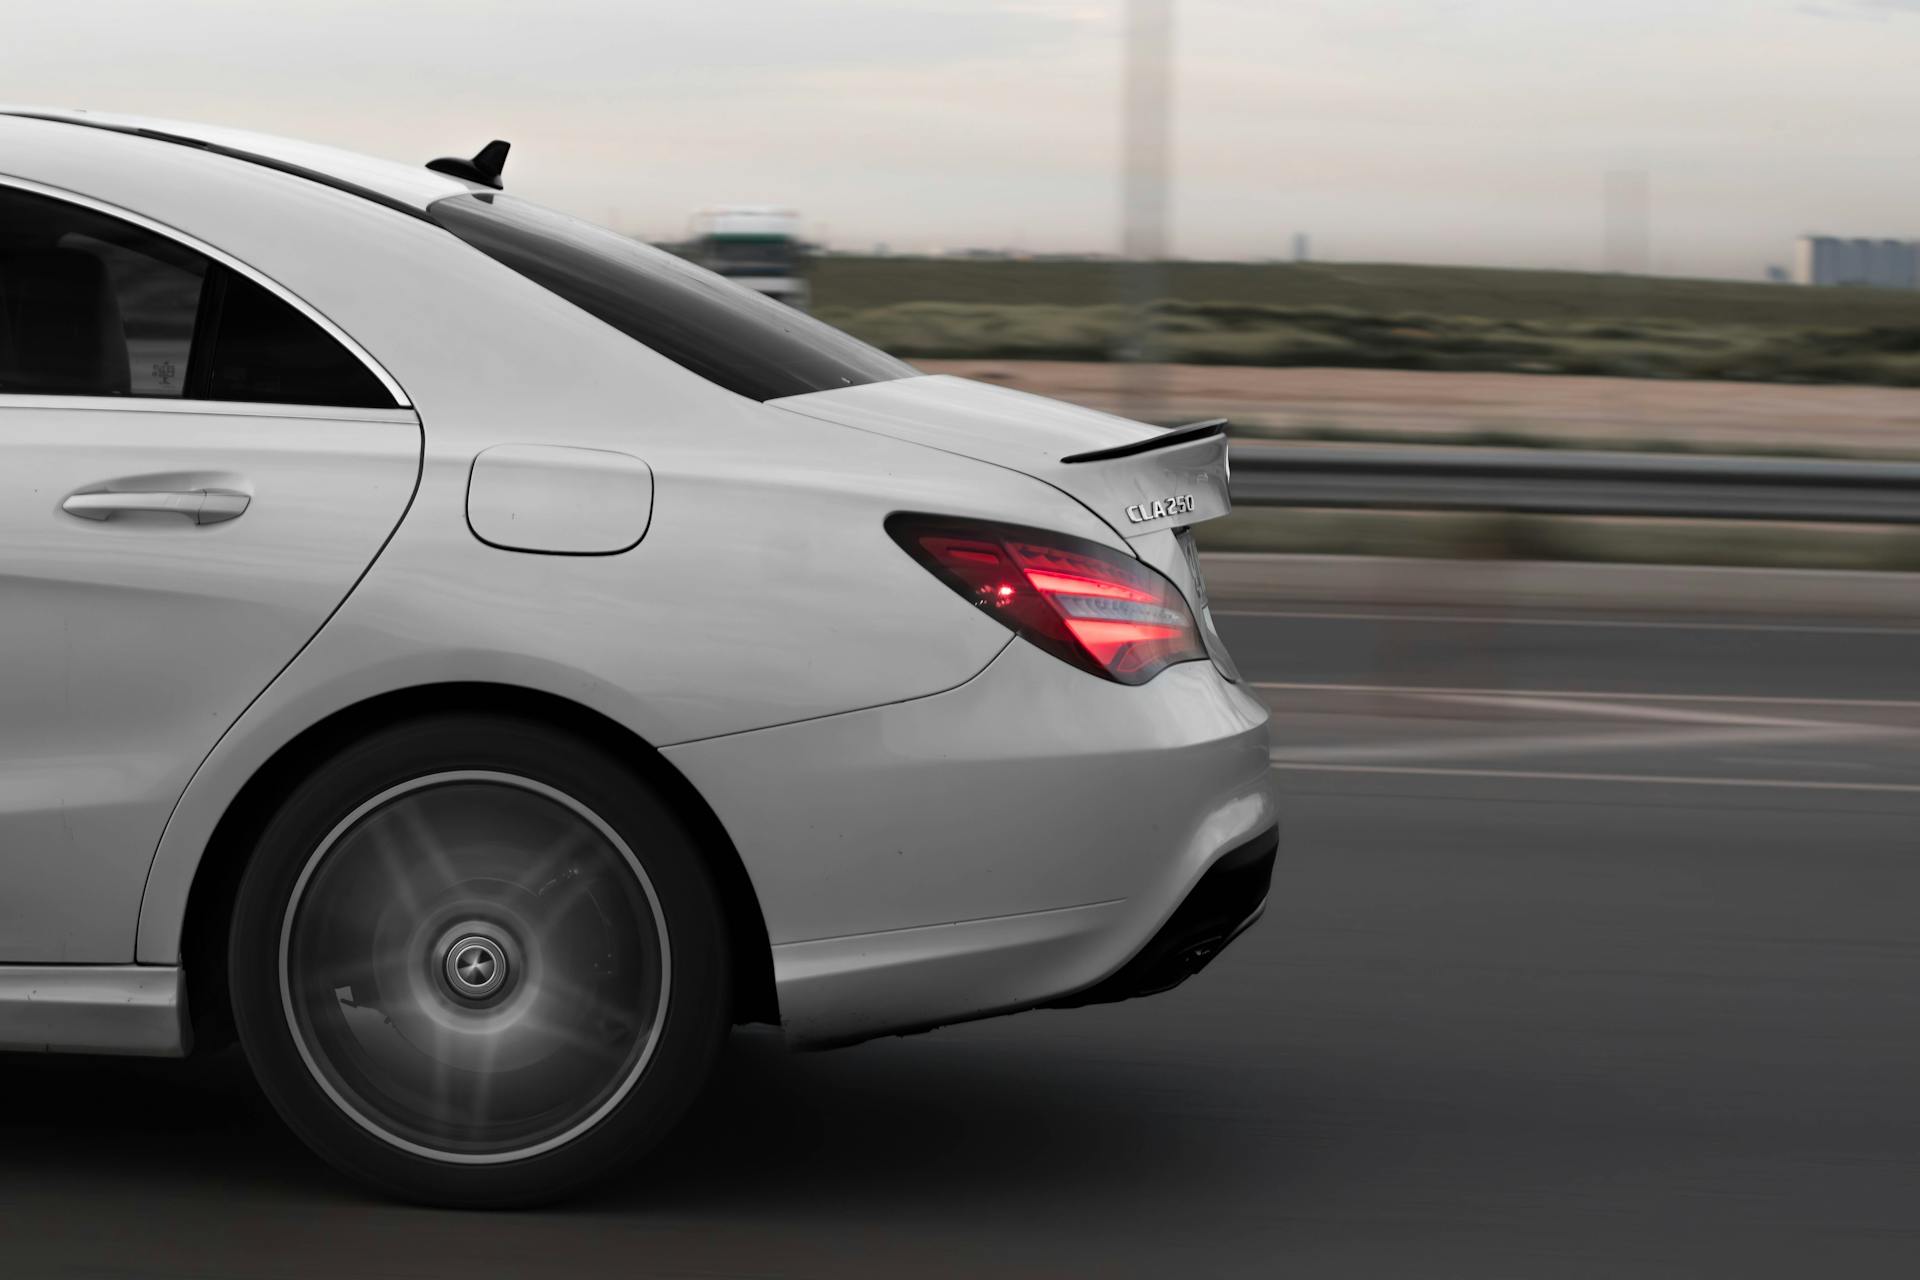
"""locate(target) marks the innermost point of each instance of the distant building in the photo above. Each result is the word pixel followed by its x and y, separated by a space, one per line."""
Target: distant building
pixel 1302 249
pixel 1874 264
pixel 1901 262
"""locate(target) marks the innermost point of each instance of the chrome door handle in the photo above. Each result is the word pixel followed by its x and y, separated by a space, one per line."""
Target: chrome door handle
pixel 202 506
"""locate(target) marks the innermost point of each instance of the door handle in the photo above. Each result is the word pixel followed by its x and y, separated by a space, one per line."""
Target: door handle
pixel 202 506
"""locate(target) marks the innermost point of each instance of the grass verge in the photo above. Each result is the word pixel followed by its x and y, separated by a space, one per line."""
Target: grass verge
pixel 1380 316
pixel 1291 336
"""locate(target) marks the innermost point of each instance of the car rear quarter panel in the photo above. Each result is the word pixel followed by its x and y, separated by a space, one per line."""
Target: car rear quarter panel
pixel 764 592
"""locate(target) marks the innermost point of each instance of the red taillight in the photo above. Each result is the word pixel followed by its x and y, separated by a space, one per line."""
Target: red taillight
pixel 1100 609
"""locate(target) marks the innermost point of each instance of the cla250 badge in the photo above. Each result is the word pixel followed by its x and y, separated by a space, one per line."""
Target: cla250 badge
pixel 1160 508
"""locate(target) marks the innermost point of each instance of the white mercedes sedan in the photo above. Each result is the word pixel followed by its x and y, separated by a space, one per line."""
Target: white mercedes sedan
pixel 475 660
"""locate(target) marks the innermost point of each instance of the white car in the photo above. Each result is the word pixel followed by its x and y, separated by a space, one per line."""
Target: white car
pixel 478 659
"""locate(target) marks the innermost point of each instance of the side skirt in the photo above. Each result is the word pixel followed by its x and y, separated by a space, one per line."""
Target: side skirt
pixel 70 1008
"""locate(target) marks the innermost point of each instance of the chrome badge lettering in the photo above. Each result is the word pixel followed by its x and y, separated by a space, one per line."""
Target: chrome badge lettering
pixel 1160 508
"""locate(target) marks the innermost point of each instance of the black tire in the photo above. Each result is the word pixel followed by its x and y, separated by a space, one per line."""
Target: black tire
pixel 570 884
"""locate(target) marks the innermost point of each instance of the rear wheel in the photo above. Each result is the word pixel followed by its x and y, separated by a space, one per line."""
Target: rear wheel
pixel 476 961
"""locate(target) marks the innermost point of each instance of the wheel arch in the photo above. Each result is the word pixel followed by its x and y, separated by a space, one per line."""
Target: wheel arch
pixel 216 878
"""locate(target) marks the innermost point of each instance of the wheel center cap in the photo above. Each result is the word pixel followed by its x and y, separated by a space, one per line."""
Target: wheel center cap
pixel 475 967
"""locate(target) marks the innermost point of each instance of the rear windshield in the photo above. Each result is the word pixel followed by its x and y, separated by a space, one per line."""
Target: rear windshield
pixel 745 341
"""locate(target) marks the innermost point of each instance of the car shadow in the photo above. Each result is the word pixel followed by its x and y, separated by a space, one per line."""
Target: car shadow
pixel 939 1121
pixel 931 1122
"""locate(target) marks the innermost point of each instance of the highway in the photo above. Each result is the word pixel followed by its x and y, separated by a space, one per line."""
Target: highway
pixel 1594 951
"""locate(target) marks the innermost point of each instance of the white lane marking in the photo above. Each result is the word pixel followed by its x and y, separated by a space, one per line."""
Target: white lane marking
pixel 1632 778
pixel 1620 709
pixel 1710 729
pixel 1484 748
pixel 1597 695
pixel 1723 729
pixel 1831 766
pixel 1492 619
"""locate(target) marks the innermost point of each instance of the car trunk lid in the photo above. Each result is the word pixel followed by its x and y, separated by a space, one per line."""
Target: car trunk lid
pixel 1139 479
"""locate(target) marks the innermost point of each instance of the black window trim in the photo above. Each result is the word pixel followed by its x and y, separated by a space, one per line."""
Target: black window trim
pixel 400 398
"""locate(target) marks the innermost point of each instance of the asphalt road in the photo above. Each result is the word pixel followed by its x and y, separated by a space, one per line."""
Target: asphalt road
pixel 1593 952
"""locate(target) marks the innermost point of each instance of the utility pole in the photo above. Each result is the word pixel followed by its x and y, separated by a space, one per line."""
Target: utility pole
pixel 1627 207
pixel 1145 163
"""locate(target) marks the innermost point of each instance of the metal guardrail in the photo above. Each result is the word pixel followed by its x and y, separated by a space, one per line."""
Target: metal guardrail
pixel 1556 482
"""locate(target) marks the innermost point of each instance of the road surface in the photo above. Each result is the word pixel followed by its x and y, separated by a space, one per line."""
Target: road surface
pixel 1595 951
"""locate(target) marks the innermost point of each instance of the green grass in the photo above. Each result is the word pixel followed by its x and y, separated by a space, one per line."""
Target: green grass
pixel 860 284
pixel 1381 317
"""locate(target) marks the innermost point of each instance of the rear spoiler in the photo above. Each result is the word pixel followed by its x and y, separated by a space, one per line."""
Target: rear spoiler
pixel 1172 436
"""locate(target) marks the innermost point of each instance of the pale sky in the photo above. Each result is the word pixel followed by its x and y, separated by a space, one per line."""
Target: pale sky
pixel 1469 131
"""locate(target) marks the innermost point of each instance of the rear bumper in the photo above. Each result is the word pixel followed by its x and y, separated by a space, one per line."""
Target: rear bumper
pixel 841 991
pixel 997 847
pixel 1228 900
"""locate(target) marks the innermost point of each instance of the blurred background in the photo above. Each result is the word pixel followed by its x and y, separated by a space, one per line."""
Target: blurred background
pixel 1572 354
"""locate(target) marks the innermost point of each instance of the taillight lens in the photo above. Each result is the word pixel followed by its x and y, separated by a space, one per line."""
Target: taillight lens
pixel 1100 609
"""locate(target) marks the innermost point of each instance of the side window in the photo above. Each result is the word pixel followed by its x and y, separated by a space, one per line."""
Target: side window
pixel 156 298
pixel 252 346
pixel 93 306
